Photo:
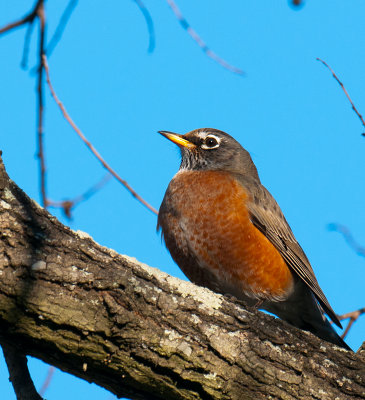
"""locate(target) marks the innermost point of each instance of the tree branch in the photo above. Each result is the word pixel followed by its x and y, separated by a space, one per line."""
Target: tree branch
pixel 344 90
pixel 19 374
pixel 149 23
pixel 90 145
pixel 141 333
pixel 68 205
pixel 350 240
pixel 47 381
pixel 61 27
pixel 199 41
pixel 29 18
pixel 353 316
pixel 40 103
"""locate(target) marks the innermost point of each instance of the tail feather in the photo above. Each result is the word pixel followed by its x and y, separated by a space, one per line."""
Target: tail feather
pixel 303 311
pixel 326 332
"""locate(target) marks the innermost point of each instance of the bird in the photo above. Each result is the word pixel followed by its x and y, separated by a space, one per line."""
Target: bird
pixel 226 232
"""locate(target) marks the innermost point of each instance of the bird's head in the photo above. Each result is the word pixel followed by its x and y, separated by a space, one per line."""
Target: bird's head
pixel 211 149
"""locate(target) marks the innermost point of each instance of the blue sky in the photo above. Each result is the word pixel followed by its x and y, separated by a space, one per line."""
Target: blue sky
pixel 287 111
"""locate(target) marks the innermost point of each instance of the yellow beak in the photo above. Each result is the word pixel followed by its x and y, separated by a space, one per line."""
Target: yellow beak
pixel 177 139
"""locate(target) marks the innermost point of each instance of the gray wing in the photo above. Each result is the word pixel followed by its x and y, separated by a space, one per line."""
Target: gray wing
pixel 269 219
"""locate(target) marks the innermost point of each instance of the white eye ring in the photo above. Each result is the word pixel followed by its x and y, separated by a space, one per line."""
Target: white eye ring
pixel 215 142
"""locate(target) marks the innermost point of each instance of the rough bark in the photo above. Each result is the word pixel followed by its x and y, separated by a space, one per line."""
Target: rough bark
pixel 143 334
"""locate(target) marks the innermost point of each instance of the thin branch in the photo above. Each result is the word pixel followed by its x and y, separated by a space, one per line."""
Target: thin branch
pixel 19 374
pixel 28 35
pixel 22 21
pixel 68 205
pixel 297 3
pixel 40 103
pixel 353 316
pixel 47 381
pixel 89 145
pixel 58 32
pixel 28 19
pixel 37 12
pixel 149 22
pixel 345 91
pixel 61 26
pixel 184 23
pixel 360 250
pixel 16 24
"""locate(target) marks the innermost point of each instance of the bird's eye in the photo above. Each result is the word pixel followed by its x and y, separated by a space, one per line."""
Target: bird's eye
pixel 210 143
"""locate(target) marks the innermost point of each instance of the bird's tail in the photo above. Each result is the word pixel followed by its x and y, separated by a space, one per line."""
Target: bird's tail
pixel 304 312
pixel 326 332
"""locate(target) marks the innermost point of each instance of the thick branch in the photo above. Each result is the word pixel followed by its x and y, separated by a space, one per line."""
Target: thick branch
pixel 141 333
pixel 19 374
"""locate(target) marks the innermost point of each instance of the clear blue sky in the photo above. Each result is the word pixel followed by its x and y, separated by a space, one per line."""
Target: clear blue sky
pixel 287 111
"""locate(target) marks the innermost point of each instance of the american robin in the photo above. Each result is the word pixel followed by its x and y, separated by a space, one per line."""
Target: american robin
pixel 226 232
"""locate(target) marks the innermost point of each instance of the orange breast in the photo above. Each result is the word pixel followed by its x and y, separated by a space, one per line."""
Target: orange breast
pixel 217 226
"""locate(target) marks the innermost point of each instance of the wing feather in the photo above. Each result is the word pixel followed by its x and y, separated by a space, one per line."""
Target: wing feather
pixel 269 219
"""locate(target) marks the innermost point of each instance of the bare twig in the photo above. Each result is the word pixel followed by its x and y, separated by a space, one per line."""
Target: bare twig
pixel 61 26
pixel 345 91
pixel 40 101
pixel 19 374
pixel 58 32
pixel 28 35
pixel 16 24
pixel 38 12
pixel 23 21
pixel 184 23
pixel 89 145
pixel 353 317
pixel 27 20
pixel 68 205
pixel 47 381
pixel 360 250
pixel 149 22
